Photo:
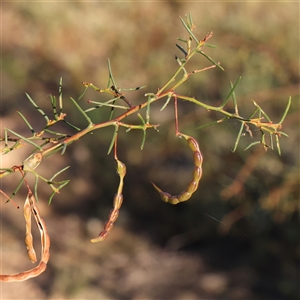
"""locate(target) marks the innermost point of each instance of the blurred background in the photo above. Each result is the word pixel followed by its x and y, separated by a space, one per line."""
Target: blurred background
pixel 238 236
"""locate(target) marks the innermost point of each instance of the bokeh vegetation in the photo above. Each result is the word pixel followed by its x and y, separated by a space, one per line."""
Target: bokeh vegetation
pixel 156 250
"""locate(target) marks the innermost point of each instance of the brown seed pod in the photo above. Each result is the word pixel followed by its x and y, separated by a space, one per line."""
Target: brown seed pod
pixel 114 213
pixel 28 236
pixel 45 242
pixel 197 174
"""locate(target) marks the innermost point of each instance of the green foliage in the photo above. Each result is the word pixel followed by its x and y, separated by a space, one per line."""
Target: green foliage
pixel 48 141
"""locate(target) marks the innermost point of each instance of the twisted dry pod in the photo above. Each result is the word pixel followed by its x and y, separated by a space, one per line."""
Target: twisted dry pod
pixel 28 236
pixel 45 243
pixel 118 199
pixel 193 185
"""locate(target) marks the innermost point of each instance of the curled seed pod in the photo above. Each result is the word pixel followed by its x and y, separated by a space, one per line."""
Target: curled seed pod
pixel 32 162
pixel 197 173
pixel 118 200
pixel 45 242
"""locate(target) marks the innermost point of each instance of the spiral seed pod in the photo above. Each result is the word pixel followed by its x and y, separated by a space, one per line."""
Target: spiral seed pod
pixel 197 174
pixel 118 200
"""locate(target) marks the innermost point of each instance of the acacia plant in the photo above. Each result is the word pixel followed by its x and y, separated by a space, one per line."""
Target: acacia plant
pixel 47 141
